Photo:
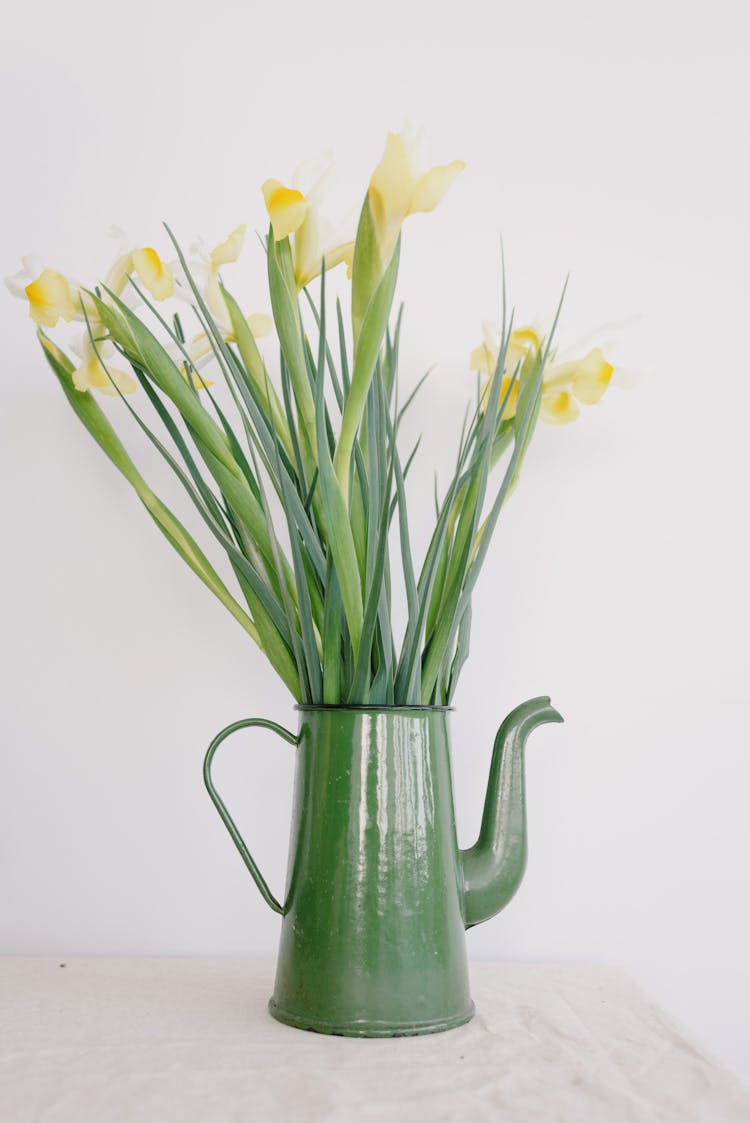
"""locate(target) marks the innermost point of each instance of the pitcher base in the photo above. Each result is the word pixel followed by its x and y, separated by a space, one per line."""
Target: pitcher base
pixel 369 1029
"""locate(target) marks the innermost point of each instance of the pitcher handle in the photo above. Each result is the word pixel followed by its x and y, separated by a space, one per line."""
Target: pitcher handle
pixel 226 818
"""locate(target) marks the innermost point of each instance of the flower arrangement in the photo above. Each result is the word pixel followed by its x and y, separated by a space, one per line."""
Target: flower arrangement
pixel 318 442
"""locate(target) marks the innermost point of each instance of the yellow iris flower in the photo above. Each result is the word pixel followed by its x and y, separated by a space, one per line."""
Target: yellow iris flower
pixel 154 274
pixel 156 277
pixel 295 213
pixel 400 186
pixel 207 267
pixel 564 385
pixel 200 346
pixel 52 296
pixel 94 372
pixel 225 253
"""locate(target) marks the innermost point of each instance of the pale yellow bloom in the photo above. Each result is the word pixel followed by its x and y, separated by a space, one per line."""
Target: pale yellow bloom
pixel 260 325
pixel 588 377
pixel 558 407
pixel 50 295
pixel 153 273
pixel 400 186
pixel 230 249
pixel 286 208
pixel 199 381
pixel 524 342
pixel 90 374
pixel 225 253
pixel 295 213
pixel 564 385
pixel 206 273
pixel 53 296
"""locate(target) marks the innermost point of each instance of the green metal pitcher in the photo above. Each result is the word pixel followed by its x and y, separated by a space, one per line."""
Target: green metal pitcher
pixel 378 893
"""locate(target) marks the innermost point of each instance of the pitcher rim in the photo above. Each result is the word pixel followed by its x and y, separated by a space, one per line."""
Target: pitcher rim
pixel 365 708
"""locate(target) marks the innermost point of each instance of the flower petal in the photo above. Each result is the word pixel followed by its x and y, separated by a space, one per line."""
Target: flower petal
pixel 433 185
pixel 50 297
pixel 200 346
pixel 155 275
pixel 92 375
pixel 511 404
pixel 558 407
pixel 523 344
pixel 260 324
pixel 32 266
pixel 216 302
pixel 229 250
pixel 17 283
pixel 392 183
pixel 286 208
pixel 117 277
pixel 313 177
pixel 336 254
pixel 196 380
pixel 592 377
pixel 308 262
pixel 484 359
pixel 526 339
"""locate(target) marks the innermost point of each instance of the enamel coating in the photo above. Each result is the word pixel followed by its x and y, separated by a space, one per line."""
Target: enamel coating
pixel 378 894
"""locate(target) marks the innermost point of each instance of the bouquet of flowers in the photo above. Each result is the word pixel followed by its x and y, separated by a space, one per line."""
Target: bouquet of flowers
pixel 295 468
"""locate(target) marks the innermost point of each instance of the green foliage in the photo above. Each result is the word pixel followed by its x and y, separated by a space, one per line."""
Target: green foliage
pixel 323 449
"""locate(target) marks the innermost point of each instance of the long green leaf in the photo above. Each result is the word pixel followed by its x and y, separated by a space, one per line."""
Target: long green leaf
pixel 97 424
pixel 338 528
pixel 367 349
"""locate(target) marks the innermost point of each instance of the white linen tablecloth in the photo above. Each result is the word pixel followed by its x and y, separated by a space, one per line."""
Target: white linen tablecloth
pixel 162 1040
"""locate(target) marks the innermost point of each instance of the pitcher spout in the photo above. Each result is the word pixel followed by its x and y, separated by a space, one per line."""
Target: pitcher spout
pixel 494 866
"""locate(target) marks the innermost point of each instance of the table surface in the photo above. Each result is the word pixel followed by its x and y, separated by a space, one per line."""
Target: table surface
pixel 130 1040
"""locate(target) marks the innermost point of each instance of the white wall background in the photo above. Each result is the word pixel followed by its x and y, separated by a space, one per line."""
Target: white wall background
pixel 608 140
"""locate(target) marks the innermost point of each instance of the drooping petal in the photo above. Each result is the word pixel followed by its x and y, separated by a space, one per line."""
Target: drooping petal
pixel 484 359
pixel 558 407
pixel 338 254
pixel 309 266
pixel 433 185
pixel 286 208
pixel 592 377
pixel 155 275
pixel 92 375
pixel 229 250
pixel 50 297
pixel 260 324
